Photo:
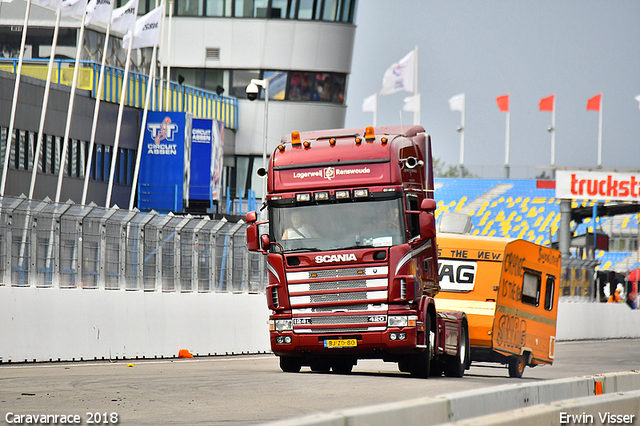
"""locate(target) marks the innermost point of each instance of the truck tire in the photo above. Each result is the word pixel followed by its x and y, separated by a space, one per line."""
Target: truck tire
pixel 454 366
pixel 421 363
pixel 516 366
pixel 290 364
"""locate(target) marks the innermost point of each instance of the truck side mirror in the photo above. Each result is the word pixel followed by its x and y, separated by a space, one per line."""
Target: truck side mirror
pixel 428 204
pixel 252 232
pixel 427 220
pixel 266 243
pixel 427 225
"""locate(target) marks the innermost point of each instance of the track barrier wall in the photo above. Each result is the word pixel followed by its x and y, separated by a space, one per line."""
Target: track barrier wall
pixel 529 404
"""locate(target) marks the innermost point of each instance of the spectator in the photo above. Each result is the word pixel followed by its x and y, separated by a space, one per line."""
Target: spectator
pixel 632 303
pixel 615 297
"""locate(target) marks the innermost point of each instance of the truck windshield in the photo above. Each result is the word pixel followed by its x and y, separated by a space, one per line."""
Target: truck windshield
pixel 325 227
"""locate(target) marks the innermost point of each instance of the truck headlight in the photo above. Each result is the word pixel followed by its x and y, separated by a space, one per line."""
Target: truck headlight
pixel 398 321
pixel 283 325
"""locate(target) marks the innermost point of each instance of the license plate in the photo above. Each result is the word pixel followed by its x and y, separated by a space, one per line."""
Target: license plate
pixel 341 343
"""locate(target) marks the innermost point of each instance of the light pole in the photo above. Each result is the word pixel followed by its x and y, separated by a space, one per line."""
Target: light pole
pixel 252 95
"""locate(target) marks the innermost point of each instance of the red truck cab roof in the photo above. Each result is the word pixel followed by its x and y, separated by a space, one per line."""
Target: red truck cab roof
pixel 352 157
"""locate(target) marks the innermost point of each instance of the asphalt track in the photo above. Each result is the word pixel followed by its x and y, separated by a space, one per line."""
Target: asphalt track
pixel 244 390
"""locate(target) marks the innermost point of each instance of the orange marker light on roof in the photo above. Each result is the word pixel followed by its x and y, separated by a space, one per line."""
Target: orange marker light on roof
pixel 369 134
pixel 332 141
pixel 306 144
pixel 358 140
pixel 281 148
pixel 383 140
pixel 295 138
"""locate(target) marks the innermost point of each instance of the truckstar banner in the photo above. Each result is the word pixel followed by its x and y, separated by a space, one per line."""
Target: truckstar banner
pixel 165 163
pixel 584 185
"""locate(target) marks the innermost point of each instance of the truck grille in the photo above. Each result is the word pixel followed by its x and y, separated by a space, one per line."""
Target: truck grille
pixel 364 297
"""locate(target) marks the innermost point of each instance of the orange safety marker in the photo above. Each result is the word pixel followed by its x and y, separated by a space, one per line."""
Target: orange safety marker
pixel 183 353
pixel 598 388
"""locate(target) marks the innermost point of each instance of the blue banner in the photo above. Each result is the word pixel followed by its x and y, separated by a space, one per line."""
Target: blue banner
pixel 201 156
pixel 165 163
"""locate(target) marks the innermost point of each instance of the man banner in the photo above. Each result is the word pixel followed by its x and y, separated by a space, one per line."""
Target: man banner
pixel 99 11
pixel 400 76
pixel 146 32
pixel 124 18
pixel 73 7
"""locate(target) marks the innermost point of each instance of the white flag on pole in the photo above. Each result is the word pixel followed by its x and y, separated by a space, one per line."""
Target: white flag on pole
pixel 73 7
pixel 123 18
pixel 399 76
pixel 56 4
pixel 147 30
pixel 99 11
pixel 411 103
pixel 638 99
pixel 370 104
pixel 456 103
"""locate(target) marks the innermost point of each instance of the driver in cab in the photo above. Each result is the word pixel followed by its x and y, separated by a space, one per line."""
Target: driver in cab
pixel 298 228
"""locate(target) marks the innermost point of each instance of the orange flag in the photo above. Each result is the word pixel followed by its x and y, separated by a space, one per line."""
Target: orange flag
pixel 594 103
pixel 503 103
pixel 546 104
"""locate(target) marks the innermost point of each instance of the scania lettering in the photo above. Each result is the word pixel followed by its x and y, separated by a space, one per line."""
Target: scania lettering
pixel 351 254
pixel 335 258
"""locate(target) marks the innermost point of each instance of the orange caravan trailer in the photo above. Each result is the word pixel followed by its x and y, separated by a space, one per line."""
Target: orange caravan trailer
pixel 509 290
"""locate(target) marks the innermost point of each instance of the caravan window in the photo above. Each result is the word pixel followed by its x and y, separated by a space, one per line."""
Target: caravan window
pixel 531 288
pixel 548 293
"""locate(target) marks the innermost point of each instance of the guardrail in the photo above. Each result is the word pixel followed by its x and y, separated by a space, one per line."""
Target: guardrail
pixel 530 404
pixel 183 98
pixel 65 245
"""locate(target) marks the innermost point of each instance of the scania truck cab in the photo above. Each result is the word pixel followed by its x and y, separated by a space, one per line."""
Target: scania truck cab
pixel 351 254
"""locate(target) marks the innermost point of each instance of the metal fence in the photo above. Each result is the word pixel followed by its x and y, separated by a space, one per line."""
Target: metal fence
pixel 66 245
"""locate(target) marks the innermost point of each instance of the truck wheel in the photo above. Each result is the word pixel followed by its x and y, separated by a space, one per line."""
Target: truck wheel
pixel 454 366
pixel 516 366
pixel 421 363
pixel 290 364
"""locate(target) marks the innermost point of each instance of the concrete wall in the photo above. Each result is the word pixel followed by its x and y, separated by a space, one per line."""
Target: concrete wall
pixel 529 404
pixel 42 324
pixel 581 321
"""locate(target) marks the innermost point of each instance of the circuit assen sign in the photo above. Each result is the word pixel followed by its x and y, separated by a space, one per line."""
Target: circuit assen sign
pixel 581 185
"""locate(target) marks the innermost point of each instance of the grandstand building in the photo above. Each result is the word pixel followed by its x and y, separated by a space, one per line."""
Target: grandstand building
pixel 303 47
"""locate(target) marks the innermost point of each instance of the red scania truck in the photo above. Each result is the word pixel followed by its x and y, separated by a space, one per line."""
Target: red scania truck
pixel 351 254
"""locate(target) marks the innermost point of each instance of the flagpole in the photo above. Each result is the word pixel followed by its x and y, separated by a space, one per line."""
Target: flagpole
pixel 461 130
pixel 506 149
pixel 96 112
pixel 70 109
pixel 123 94
pixel 416 111
pixel 14 104
pixel 375 111
pixel 161 57
pixel 45 102
pixel 600 133
pixel 167 103
pixel 142 131
pixel 552 129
